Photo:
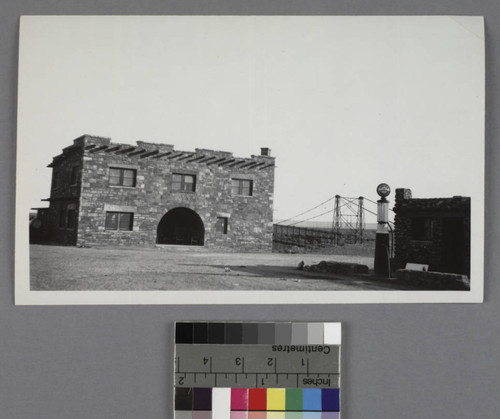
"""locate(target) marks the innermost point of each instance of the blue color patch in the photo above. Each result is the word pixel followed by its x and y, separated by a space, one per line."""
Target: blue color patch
pixel 330 399
pixel 311 399
pixel 311 415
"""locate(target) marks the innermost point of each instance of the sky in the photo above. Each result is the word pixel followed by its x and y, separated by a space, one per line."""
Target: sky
pixel 344 103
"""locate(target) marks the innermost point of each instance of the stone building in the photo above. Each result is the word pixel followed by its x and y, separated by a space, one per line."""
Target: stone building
pixel 106 193
pixel 432 231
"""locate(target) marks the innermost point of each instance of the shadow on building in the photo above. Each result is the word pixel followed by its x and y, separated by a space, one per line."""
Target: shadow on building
pixel 433 232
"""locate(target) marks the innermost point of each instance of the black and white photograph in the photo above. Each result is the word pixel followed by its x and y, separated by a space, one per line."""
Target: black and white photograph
pixel 250 159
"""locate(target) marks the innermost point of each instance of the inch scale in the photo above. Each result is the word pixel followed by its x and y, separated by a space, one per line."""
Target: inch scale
pixel 259 366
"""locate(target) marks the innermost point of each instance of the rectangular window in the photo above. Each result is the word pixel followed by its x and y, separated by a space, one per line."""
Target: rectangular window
pixel 71 218
pixel 185 183
pixel 421 229
pixel 75 174
pixel 122 177
pixel 122 221
pixel 221 225
pixel 242 187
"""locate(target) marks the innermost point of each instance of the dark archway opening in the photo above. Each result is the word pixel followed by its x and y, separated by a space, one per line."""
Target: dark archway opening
pixel 181 226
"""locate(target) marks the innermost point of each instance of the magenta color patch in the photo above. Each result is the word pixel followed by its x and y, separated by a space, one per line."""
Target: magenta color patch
pixel 239 399
pixel 202 414
pixel 239 415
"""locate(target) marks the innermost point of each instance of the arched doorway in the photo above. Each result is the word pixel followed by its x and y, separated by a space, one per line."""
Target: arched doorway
pixel 181 226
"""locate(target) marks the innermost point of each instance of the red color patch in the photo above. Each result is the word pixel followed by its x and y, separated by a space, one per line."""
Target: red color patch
pixel 257 399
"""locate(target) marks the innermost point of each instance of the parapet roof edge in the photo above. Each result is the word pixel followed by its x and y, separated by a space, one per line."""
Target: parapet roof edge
pixel 87 139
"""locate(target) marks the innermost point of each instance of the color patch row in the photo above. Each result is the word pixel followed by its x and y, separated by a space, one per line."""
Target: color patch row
pixel 257 399
pixel 258 333
pixel 201 414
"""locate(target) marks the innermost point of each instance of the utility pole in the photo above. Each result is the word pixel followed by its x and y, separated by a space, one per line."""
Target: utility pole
pixel 337 220
pixel 360 220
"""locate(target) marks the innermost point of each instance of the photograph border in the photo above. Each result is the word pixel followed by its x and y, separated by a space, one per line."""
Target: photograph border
pixel 25 296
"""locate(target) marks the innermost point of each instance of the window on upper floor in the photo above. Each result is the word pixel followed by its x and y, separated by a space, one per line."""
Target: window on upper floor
pixel 183 182
pixel 75 175
pixel 55 180
pixel 122 221
pixel 122 177
pixel 242 187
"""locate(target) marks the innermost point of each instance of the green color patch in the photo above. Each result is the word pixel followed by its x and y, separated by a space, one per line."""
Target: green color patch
pixel 293 399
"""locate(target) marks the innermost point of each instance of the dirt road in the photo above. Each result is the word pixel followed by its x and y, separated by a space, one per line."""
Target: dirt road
pixel 186 268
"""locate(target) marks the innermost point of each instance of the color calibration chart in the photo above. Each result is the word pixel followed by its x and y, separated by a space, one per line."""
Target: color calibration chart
pixel 257 370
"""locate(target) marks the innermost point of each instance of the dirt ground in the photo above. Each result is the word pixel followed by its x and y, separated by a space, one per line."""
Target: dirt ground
pixel 187 268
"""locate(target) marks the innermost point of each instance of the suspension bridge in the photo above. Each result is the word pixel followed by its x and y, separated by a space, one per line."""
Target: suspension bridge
pixel 347 225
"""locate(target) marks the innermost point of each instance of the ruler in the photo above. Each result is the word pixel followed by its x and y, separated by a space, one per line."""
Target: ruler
pixel 223 370
pixel 305 366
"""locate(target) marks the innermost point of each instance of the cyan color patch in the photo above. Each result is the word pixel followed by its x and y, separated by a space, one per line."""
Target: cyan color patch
pixel 311 399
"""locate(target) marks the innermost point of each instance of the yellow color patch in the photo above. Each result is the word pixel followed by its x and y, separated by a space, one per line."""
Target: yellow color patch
pixel 276 399
pixel 275 415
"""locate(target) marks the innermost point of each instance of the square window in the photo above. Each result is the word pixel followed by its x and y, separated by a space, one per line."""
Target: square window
pixel 221 225
pixel 122 221
pixel 122 177
pixel 242 187
pixel 184 183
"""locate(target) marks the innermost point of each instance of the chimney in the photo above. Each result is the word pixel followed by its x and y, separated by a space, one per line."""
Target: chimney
pixel 264 151
pixel 402 194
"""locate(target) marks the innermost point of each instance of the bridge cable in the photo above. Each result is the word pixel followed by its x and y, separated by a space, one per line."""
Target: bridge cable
pixel 305 212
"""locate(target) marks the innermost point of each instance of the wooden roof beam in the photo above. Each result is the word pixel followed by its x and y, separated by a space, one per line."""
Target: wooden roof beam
pixel 175 156
pixel 125 150
pixel 136 152
pixel 266 166
pixel 237 163
pixel 196 159
pixel 111 149
pixel 149 154
pixel 100 148
pixel 257 164
pixel 226 162
pixel 159 156
pixel 207 159
pixel 186 157
pixel 249 164
pixel 216 161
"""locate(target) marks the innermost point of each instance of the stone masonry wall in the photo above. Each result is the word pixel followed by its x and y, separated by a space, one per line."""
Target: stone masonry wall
pixel 65 194
pixel 249 217
pixel 431 250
